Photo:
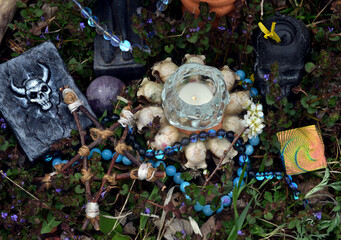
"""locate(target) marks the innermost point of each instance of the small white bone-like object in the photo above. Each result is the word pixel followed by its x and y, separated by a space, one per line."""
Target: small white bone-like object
pixel 145 116
pixel 164 69
pixel 150 90
pixel 196 154
pixel 190 58
pixel 218 146
pixel 237 103
pixel 166 136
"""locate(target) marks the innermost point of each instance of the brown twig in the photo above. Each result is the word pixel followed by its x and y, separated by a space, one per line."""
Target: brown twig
pixel 222 158
pixel 91 117
pixel 79 126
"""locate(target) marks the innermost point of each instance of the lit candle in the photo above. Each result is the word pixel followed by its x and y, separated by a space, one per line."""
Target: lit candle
pixel 195 93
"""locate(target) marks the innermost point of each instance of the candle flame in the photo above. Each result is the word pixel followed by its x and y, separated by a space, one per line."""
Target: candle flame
pixel 194 98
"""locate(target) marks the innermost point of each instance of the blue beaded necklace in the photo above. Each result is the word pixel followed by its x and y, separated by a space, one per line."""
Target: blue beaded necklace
pixel 108 35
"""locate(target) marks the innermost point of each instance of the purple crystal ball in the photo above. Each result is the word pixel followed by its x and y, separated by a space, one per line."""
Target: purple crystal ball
pixel 102 93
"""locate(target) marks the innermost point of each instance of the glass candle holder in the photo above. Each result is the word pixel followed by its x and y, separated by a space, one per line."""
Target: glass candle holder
pixel 194 97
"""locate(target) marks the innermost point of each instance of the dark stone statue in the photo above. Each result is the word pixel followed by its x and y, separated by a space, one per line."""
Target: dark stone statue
pixel 109 60
pixel 289 53
pixel 31 101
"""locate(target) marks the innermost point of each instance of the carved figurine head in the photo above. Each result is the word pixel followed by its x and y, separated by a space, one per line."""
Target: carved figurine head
pixel 289 53
pixel 36 89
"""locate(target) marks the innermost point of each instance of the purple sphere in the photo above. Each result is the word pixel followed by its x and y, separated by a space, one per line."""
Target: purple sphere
pixel 102 93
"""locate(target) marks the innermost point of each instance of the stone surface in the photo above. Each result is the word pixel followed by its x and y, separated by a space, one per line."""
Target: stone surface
pixel 109 60
pixel 31 101
pixel 102 93
pixel 289 53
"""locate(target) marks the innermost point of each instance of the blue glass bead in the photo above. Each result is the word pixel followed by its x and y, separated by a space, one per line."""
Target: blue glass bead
pixel 248 149
pixel 107 35
pixel 230 194
pixel 126 161
pixel 115 41
pixel 296 193
pixel 253 92
pixel 198 207
pixel 230 136
pixel 239 172
pixel 212 133
pixel 152 162
pixel 146 49
pixel 93 21
pixel 221 133
pixel 177 178
pixel 56 161
pixel 246 83
pixel 170 170
pixel 159 154
pixel 101 28
pixel 149 153
pixel 219 210
pixel 166 1
pixel 293 185
pixel 207 210
pixel 97 150
pixel 125 46
pixel 183 185
pixel 48 157
pixel 169 151
pixel 185 141
pixel 278 175
pixel 236 181
pixel 202 136
pixel 268 175
pixel 188 197
pixel 118 159
pixel 254 141
pixel 65 161
pixel 193 137
pixel 106 154
pixel 260 176
pixel 86 12
pixel 177 146
pixel 241 74
pixel 226 201
pixel 243 159
pixel 158 163
pixel 160 6
pixel 288 178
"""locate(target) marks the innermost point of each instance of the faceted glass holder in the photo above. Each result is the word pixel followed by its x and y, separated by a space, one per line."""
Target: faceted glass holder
pixel 194 97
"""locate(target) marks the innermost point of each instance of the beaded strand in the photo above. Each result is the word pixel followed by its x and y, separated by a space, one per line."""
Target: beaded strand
pixel 108 35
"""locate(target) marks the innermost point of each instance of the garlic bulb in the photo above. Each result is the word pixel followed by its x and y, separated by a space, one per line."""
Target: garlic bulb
pixel 196 154
pixel 150 90
pixel 218 146
pixel 166 136
pixel 238 102
pixel 164 69
pixel 233 123
pixel 190 58
pixel 145 116
pixel 230 77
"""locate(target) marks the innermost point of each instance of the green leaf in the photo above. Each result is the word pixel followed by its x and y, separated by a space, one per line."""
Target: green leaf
pixel 249 49
pixel 79 189
pixel 270 100
pixel 268 197
pixel 320 186
pixel 169 48
pixel 334 39
pixel 336 186
pixel 309 67
pixel 20 4
pixel 107 223
pixel 194 38
pixel 238 225
pixel 125 189
pixel 49 224
pixel 268 216
pixel 291 224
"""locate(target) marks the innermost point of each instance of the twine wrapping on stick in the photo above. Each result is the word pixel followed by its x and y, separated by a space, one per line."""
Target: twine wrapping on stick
pixel 84 151
pixel 97 133
pixel 71 99
pixel 87 175
pixel 111 179
pixel 144 172
pixel 127 118
pixel 121 147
